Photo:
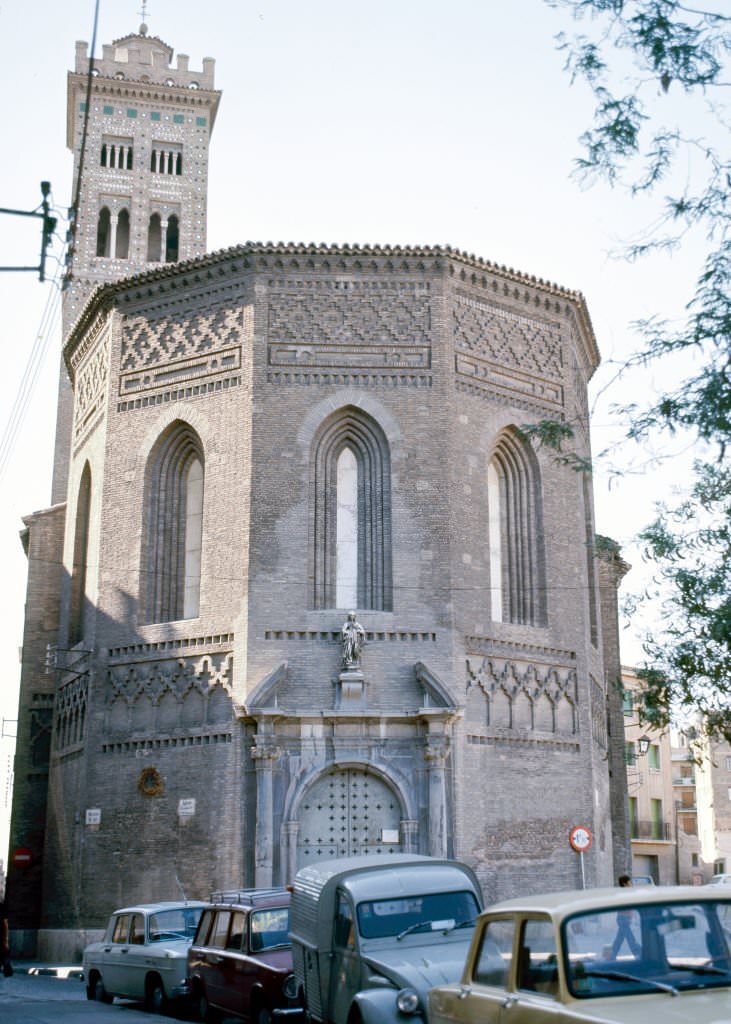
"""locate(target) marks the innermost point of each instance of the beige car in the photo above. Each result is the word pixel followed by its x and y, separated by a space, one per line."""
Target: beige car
pixel 601 955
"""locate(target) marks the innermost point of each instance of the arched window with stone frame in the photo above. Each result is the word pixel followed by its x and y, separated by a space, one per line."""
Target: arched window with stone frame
pixel 172 239
pixel 77 610
pixel 350 510
pixel 121 249
pixel 154 239
pixel 103 232
pixel 173 527
pixel 516 533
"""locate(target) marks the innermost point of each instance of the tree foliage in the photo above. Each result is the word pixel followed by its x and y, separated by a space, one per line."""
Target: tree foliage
pixel 639 57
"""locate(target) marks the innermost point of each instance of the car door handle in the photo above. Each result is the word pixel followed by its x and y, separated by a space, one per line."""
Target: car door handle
pixel 107 949
pixel 215 959
pixel 508 1002
pixel 124 951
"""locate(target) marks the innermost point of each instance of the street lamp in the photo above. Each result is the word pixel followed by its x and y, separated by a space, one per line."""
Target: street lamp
pixel 643 744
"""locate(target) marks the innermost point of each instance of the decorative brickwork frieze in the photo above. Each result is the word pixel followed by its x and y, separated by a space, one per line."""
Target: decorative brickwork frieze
pixel 371 331
pixel 335 637
pixel 166 696
pixel 508 353
pixel 91 375
pixel 519 743
pixel 598 713
pixel 498 648
pixel 202 331
pixel 524 696
pixel 70 712
pixel 168 648
pixel 141 748
pixel 41 721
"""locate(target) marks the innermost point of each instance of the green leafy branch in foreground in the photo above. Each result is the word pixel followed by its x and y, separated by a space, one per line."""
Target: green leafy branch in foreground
pixel 691 545
pixel 641 57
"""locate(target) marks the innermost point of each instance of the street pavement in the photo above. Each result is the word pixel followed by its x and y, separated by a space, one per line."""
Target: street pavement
pixel 60 998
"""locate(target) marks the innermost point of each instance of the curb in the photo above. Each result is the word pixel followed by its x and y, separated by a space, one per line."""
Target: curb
pixel 61 971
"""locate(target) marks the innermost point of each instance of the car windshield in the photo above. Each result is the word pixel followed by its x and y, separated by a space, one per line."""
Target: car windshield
pixel 270 929
pixel 665 946
pixel 177 923
pixel 438 911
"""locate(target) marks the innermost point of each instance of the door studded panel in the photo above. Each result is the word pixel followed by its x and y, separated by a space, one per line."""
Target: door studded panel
pixel 346 812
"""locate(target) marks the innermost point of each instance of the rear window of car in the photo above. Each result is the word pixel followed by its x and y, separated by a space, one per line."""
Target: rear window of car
pixel 236 935
pixel 121 928
pixel 204 927
pixel 219 932
pixel 178 923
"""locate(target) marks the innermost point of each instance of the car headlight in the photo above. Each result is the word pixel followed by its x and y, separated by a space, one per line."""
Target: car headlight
pixel 289 988
pixel 407 1001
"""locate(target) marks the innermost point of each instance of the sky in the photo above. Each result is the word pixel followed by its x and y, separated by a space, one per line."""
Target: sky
pixel 411 122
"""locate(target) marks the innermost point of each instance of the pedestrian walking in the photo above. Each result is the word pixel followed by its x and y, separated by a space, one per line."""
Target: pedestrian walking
pixel 624 925
pixel 7 967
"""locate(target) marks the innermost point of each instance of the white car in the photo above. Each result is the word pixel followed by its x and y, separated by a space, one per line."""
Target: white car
pixel 606 956
pixel 144 954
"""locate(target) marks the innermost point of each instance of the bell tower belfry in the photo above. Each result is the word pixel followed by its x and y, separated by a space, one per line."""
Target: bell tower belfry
pixel 139 130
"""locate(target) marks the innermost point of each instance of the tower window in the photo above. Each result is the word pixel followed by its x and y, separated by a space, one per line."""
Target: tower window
pixel 154 239
pixel 166 158
pixel 103 233
pixel 121 249
pixel 163 239
pixel 116 153
pixel 172 239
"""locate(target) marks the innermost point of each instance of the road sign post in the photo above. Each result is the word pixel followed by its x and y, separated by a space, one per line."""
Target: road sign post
pixel 580 839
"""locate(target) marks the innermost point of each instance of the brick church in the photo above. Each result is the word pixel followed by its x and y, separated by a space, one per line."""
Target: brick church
pixel 305 588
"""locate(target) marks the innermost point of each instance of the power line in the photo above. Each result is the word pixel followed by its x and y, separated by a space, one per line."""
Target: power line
pixel 46 330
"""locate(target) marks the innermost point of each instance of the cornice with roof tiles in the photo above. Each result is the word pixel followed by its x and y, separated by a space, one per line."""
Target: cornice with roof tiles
pixel 248 251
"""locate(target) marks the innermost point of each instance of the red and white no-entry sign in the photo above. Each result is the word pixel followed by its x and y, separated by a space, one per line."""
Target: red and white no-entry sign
pixel 580 838
pixel 22 857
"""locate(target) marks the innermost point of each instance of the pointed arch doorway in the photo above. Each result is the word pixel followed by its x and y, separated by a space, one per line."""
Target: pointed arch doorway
pixel 348 811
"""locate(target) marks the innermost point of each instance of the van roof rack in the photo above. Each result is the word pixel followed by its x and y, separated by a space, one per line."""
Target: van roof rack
pixel 248 896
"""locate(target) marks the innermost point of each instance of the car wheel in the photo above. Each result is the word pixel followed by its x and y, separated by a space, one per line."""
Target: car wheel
pixel 155 998
pixel 97 992
pixel 206 1012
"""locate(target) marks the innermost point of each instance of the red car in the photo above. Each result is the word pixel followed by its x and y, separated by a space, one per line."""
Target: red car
pixel 240 962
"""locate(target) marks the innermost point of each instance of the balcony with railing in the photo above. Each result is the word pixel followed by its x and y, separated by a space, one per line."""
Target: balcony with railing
pixel 658 830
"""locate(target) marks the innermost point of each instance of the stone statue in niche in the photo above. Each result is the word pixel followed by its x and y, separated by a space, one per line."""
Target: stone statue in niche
pixel 353 637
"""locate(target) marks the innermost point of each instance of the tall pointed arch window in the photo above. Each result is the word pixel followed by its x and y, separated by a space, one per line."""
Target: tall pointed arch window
pixel 351 513
pixel 516 539
pixel 80 559
pixel 173 528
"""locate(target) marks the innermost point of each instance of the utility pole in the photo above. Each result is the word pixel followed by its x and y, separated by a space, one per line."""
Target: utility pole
pixel 47 229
